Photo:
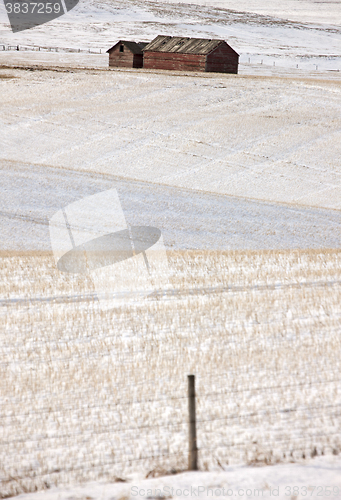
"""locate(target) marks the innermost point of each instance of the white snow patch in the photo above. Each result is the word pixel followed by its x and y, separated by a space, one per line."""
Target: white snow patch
pixel 320 476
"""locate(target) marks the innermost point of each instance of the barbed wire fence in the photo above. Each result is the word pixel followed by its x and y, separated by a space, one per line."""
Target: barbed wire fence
pixel 36 48
pixel 196 441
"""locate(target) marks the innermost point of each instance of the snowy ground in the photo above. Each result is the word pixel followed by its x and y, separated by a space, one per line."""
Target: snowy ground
pixel 264 138
pixel 315 478
pixel 188 219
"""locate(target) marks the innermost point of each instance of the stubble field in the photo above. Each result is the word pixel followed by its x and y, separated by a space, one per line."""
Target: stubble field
pixel 89 394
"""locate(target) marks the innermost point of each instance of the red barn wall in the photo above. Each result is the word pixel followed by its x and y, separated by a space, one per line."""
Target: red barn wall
pixel 125 59
pixel 174 61
pixel 222 60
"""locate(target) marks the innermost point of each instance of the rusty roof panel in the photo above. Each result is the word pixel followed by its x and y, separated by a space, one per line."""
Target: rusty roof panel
pixel 182 45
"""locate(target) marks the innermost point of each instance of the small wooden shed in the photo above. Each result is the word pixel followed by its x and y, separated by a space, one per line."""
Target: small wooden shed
pixel 190 54
pixel 126 54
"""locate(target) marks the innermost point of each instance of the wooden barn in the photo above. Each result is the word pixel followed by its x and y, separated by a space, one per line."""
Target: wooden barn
pixel 125 54
pixel 190 54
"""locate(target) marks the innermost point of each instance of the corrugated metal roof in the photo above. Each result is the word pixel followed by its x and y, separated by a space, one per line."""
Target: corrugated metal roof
pixel 135 48
pixel 182 45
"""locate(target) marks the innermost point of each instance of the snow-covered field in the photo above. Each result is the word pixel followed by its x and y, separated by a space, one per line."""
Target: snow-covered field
pixel 270 139
pixel 242 176
pixel 254 307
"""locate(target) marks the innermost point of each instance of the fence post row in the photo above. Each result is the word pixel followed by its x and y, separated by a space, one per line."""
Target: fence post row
pixel 65 49
pixel 193 450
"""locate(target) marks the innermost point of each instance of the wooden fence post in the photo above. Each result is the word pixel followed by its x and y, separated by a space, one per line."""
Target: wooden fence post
pixel 193 450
